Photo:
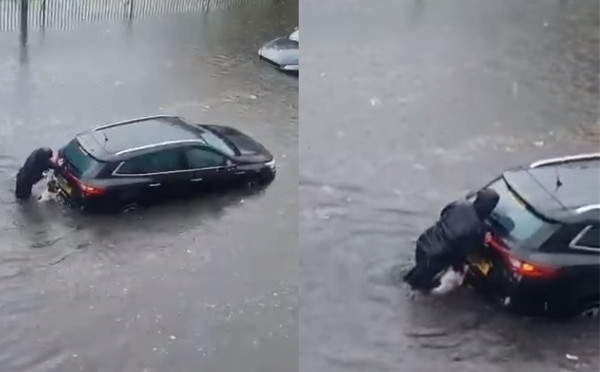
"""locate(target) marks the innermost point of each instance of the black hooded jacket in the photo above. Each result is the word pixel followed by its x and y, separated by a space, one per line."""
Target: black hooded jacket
pixel 459 230
pixel 39 161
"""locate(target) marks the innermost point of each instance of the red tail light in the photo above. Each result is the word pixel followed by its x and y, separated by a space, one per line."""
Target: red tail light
pixel 87 190
pixel 523 268
pixel 91 190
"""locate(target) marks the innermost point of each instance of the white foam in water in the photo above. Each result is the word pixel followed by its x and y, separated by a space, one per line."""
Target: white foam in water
pixel 449 281
pixel 47 196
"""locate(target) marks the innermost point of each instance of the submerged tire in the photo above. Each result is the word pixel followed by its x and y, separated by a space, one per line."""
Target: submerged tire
pixel 129 207
pixel 589 309
pixel 253 183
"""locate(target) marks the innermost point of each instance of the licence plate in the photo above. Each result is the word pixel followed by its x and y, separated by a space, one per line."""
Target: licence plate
pixel 483 266
pixel 64 185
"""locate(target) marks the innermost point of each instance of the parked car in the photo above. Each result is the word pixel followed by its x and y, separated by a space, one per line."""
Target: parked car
pixel 544 252
pixel 282 52
pixel 145 160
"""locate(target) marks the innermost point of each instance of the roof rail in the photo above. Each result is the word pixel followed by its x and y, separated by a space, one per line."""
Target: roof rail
pixel 160 144
pixel 565 159
pixel 129 121
pixel 587 208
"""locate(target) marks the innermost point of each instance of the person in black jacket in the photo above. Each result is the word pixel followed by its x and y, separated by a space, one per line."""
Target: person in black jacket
pixel 32 171
pixel 451 239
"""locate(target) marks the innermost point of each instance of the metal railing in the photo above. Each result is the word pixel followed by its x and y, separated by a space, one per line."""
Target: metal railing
pixel 64 14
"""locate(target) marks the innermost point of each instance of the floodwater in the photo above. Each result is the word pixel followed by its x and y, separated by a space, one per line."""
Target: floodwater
pixel 209 285
pixel 404 106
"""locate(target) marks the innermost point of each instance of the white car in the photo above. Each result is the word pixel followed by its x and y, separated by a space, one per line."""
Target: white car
pixel 282 52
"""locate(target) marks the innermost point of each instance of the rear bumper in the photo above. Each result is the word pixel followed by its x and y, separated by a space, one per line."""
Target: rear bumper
pixel 78 200
pixel 90 204
pixel 526 296
pixel 270 62
pixel 292 68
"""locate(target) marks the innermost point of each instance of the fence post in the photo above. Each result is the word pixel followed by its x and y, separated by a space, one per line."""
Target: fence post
pixel 43 10
pixel 130 9
pixel 24 20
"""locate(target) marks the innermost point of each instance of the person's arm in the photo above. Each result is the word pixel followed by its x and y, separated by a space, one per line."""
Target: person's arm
pixel 487 237
pixel 51 163
pixel 472 243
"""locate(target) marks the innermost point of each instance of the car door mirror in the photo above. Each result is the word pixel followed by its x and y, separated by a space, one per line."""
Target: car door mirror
pixel 230 164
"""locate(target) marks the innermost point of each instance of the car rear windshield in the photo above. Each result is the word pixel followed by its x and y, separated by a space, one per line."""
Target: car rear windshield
pixel 77 157
pixel 511 218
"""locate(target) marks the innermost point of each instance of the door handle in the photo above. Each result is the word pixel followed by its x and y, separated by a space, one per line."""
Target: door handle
pixel 196 179
pixel 154 184
pixel 240 172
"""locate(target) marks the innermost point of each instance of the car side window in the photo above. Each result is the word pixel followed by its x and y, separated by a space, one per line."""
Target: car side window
pixel 198 158
pixel 131 166
pixel 158 162
pixel 560 240
pixel 588 239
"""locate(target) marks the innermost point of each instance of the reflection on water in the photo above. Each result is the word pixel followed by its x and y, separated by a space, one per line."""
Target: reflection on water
pixel 67 14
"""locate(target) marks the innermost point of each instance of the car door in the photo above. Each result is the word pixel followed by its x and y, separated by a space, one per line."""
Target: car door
pixel 586 246
pixel 153 177
pixel 576 249
pixel 207 169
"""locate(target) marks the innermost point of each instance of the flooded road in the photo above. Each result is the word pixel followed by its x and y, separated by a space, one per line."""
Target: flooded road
pixel 209 285
pixel 426 100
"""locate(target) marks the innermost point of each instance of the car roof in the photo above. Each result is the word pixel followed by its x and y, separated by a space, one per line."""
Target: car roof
pixel 563 189
pixel 113 141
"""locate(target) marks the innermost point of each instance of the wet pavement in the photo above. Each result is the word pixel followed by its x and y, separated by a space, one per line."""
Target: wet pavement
pixel 404 106
pixel 206 285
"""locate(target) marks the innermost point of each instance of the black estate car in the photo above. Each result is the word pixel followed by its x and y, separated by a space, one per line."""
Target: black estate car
pixel 282 52
pixel 150 159
pixel 544 252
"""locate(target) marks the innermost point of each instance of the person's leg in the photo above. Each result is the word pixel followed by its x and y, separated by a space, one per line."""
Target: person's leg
pixel 22 186
pixel 29 182
pixel 410 277
pixel 420 275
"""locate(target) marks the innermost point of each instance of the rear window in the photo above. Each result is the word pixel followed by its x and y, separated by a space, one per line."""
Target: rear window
pixel 511 217
pixel 77 157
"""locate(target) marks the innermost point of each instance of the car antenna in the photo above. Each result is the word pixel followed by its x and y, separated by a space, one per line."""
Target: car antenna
pixel 558 181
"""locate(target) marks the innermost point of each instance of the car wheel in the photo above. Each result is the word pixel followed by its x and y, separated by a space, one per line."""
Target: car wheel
pixel 590 309
pixel 129 207
pixel 253 183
